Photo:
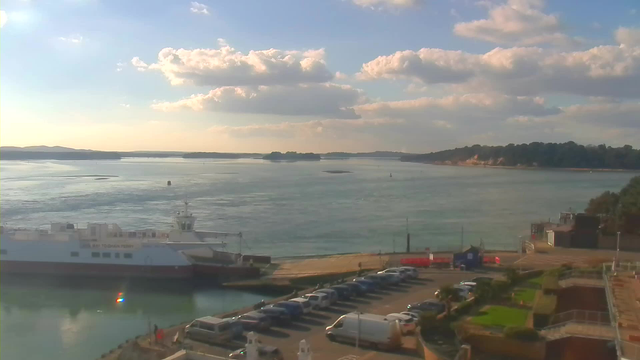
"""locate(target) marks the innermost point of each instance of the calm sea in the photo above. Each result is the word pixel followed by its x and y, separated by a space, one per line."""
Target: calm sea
pixel 282 209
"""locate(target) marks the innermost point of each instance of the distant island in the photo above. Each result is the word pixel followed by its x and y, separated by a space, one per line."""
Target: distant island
pixel 291 156
pixel 536 154
pixel 374 154
pixel 338 172
pixel 58 155
pixel 210 155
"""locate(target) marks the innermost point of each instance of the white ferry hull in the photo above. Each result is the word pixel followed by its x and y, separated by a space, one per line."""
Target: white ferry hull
pixel 95 270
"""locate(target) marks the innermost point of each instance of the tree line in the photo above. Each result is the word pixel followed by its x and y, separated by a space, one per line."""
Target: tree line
pixel 538 154
pixel 618 211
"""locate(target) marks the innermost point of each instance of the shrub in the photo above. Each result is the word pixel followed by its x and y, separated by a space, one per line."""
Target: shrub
pixel 530 274
pixel 521 333
pixel 499 287
pixel 543 310
pixel 512 275
pixel 483 291
pixel 464 307
pixel 448 292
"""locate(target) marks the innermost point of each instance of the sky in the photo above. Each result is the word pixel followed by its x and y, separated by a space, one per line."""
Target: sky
pixel 318 75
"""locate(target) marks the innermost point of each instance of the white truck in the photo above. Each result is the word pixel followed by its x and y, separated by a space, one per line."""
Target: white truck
pixel 377 331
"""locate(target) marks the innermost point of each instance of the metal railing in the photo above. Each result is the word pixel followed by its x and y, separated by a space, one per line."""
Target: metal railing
pixel 630 351
pixel 606 269
pixel 581 316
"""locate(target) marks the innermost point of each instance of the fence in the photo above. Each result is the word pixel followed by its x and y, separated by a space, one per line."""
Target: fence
pixel 581 316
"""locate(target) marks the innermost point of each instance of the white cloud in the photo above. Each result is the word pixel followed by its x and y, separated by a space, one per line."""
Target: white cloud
pixel 3 18
pixel 125 105
pixel 612 71
pixel 518 22
pixel 73 39
pixel 455 14
pixel 628 36
pixel 139 64
pixel 228 67
pixel 198 8
pixel 326 100
pixel 463 109
pixel 120 66
pixel 388 4
pixel 302 129
pixel 606 115
pixel 222 42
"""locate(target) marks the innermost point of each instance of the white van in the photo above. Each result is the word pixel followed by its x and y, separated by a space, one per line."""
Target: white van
pixel 374 330
pixel 306 304
pixel 210 329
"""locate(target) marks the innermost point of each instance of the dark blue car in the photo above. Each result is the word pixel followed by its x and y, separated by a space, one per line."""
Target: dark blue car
pixel 356 288
pixel 293 308
pixel 369 285
pixel 344 293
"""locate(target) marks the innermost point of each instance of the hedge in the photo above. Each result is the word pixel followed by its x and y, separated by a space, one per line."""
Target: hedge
pixel 464 307
pixel 543 310
pixel 550 284
pixel 521 333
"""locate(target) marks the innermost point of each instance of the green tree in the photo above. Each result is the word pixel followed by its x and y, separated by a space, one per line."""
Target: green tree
pixel 483 291
pixel 512 275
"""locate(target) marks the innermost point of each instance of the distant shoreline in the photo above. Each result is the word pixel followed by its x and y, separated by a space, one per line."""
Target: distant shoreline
pixel 528 167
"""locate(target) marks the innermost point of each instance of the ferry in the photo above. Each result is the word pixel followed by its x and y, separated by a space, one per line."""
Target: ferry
pixel 102 249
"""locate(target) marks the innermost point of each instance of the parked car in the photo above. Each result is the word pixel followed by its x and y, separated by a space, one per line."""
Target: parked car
pixel 368 284
pixel 378 279
pixel 264 353
pixel 413 272
pixel 255 321
pixel 333 295
pixel 209 329
pixel 481 279
pixel 400 273
pixel 306 304
pixel 236 327
pixel 344 293
pixel 415 316
pixel 407 323
pixel 393 279
pixel 294 309
pixel 356 288
pixel 463 291
pixel 433 306
pixel 278 315
pixel 470 284
pixel 375 330
pixel 318 300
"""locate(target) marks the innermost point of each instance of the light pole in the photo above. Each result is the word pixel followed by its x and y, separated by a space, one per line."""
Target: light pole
pixel 618 248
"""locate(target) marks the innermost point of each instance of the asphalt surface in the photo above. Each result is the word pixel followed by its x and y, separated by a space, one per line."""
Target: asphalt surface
pixel 312 326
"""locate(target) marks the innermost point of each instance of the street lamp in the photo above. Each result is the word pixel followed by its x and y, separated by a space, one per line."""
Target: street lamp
pixel 618 248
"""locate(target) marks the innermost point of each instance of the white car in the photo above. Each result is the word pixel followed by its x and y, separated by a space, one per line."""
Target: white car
pixel 462 290
pixel 470 284
pixel 395 272
pixel 407 323
pixel 318 300
pixel 413 272
pixel 306 304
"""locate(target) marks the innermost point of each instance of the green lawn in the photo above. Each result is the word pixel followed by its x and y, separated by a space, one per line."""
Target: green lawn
pixel 502 316
pixel 526 295
pixel 537 281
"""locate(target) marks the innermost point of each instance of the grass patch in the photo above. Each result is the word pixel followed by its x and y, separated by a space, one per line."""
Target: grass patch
pixel 501 316
pixel 525 295
pixel 537 281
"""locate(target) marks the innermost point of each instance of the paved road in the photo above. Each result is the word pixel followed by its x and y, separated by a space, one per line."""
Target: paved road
pixel 311 327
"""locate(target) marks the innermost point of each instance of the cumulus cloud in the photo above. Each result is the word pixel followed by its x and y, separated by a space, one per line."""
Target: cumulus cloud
pixel 198 8
pixel 388 4
pixel 3 18
pixel 227 67
pixel 468 109
pixel 610 115
pixel 327 100
pixel 73 39
pixel 519 22
pixel 628 36
pixel 302 129
pixel 139 64
pixel 612 71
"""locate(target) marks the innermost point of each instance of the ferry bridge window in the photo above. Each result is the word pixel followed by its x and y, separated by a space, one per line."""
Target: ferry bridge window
pixel 93 231
pixel 153 234
pixel 132 234
pixel 188 226
pixel 106 255
pixel 95 254
pixel 127 255
pixel 75 254
pixel 3 252
pixel 117 255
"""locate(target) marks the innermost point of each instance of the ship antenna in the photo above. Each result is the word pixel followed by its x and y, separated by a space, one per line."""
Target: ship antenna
pixel 186 207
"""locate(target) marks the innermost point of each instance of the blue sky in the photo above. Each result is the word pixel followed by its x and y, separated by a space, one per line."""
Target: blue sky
pixel 412 75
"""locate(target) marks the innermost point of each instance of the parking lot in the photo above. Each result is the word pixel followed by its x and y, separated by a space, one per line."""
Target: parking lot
pixel 311 327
